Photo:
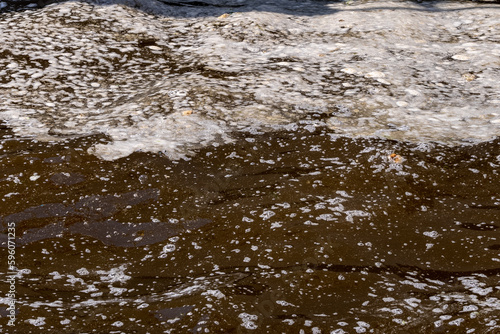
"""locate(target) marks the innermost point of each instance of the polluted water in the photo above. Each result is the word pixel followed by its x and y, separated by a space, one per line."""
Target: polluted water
pixel 246 166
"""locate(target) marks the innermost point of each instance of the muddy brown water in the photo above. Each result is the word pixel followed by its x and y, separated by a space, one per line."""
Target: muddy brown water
pixel 299 231
pixel 326 167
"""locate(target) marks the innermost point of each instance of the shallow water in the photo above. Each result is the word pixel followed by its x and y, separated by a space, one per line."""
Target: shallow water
pixel 291 167
pixel 399 70
pixel 275 232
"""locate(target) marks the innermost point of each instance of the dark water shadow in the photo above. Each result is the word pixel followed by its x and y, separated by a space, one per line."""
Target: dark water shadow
pixel 195 8
pixel 431 5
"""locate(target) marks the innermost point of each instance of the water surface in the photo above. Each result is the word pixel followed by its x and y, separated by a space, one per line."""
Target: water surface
pixel 276 232
pixel 241 166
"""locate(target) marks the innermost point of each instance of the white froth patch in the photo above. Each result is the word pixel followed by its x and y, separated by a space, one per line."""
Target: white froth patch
pixel 248 320
pixel 431 234
pixel 117 324
pixel 215 293
pixel 38 322
pixel 258 69
pixel 82 271
pixel 172 135
pixel 114 275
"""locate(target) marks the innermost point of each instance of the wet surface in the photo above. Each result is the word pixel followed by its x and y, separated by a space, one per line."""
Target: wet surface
pixel 298 229
pixel 241 166
pixel 399 70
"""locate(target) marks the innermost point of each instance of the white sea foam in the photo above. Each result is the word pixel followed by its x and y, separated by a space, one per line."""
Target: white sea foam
pixel 184 78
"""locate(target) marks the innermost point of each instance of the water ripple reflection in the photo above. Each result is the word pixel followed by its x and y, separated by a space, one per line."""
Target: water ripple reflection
pixel 288 231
